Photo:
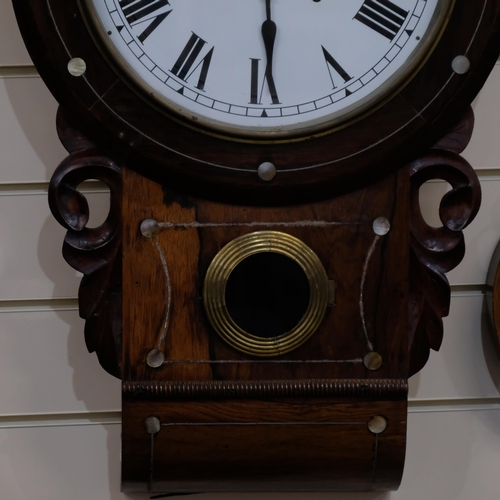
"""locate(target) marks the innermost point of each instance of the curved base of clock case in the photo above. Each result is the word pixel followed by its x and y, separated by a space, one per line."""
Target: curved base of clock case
pixel 287 444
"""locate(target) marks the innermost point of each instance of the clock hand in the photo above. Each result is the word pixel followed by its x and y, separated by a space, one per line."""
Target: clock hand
pixel 269 36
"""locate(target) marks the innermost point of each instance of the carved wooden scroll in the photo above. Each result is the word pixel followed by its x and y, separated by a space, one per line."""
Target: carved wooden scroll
pixel 436 251
pixel 95 252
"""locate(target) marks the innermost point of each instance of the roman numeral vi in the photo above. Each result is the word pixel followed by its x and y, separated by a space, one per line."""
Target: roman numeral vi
pixel 255 96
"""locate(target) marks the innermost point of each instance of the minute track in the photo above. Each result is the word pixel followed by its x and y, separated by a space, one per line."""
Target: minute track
pixel 200 86
pixel 341 92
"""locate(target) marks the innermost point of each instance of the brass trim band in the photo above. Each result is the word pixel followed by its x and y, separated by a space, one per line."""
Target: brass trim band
pixel 225 262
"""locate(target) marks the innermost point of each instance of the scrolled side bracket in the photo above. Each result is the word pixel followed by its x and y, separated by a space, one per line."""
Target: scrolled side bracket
pixel 95 252
pixel 437 250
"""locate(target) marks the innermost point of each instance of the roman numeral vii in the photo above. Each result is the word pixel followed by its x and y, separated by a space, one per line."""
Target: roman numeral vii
pixel 382 16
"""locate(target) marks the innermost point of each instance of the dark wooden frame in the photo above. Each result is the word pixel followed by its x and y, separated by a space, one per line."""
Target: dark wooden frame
pixel 134 132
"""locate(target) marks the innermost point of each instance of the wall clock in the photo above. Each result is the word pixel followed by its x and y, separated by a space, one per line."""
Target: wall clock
pixel 264 284
pixel 222 70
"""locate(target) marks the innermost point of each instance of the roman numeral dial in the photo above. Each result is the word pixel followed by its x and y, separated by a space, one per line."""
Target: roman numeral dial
pixel 277 67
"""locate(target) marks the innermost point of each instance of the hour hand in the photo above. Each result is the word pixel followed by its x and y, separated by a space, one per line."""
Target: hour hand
pixel 269 36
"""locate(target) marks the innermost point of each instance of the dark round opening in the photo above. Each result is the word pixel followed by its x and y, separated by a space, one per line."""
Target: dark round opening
pixel 267 294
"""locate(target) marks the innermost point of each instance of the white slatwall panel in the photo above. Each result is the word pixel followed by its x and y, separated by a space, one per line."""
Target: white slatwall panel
pixel 481 237
pixel 72 381
pixel 483 151
pixel 82 462
pixel 12 50
pixel 31 264
pixel 44 367
pixel 56 463
pixel 30 147
pixel 467 365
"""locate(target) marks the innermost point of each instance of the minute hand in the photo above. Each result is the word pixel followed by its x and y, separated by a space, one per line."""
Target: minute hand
pixel 269 36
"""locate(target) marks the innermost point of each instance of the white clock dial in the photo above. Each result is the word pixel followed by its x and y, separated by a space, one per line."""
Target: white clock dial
pixel 261 67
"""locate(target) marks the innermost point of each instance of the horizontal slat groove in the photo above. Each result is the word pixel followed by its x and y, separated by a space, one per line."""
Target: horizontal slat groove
pixel 38 305
pixel 467 290
pixel 484 174
pixel 488 174
pixel 60 419
pixel 463 404
pixel 71 303
pixel 19 71
pixel 114 417
pixel 41 188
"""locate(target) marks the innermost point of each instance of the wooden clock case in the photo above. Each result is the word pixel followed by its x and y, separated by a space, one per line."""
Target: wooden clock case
pixel 331 414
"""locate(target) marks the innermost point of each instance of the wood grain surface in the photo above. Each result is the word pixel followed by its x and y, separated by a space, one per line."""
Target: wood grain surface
pixel 369 271
pixel 288 445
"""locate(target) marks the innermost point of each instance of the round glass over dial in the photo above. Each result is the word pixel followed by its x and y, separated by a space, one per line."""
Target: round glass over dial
pixel 267 67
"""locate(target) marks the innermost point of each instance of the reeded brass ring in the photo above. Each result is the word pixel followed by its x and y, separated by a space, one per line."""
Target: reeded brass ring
pixel 223 264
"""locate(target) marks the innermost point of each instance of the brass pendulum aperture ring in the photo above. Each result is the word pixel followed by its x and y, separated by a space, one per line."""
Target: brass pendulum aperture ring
pixel 234 253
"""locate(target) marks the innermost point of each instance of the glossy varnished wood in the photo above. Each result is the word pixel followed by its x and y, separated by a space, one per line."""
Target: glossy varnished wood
pixel 284 445
pixel 368 271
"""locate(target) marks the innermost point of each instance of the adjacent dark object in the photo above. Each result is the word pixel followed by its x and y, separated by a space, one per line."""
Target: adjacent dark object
pixel 492 296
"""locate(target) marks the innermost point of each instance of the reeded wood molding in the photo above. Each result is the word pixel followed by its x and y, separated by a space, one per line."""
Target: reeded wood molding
pixel 436 251
pixel 359 388
pixel 95 252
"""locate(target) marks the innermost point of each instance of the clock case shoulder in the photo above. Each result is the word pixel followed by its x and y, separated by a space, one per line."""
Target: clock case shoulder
pixel 133 131
pixel 97 252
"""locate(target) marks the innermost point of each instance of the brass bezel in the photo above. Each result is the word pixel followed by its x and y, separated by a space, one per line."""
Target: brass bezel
pixel 214 290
